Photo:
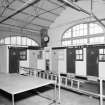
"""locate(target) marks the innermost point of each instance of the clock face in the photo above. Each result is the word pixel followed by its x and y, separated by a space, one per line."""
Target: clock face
pixel 46 38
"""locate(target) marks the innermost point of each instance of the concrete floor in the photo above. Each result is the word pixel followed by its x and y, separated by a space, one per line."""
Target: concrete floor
pixel 32 98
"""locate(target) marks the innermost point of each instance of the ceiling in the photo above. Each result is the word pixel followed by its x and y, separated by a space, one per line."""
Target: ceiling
pixel 32 15
pixel 36 16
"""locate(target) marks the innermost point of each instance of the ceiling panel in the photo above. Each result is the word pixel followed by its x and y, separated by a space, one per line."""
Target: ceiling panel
pixel 24 17
pixel 3 2
pixel 48 6
pixel 8 12
pixel 57 11
pixel 57 2
pixel 1 18
pixel 29 10
pixel 1 9
pixel 24 0
pixel 48 16
pixel 9 0
pixel 15 23
pixel 2 25
pixel 33 27
pixel 41 22
pixel 16 5
pixel 40 4
pixel 33 11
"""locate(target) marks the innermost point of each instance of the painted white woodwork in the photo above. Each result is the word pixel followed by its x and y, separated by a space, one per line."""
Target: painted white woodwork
pixel 59 61
pixel 31 61
pixel 32 58
pixel 62 68
pixel 102 70
pixel 54 59
pixel 81 65
pixel 4 59
pixel 41 62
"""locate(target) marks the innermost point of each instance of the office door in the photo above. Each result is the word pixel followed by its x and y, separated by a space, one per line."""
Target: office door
pixel 92 61
pixel 13 60
pixel 71 60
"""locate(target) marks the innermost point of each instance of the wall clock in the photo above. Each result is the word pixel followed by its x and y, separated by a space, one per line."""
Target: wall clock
pixel 46 38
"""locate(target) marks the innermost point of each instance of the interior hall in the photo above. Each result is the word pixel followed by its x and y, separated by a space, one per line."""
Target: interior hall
pixel 52 52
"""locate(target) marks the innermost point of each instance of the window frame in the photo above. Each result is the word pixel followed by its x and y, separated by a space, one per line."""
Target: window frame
pixel 81 55
pixel 101 54
pixel 87 36
pixel 11 42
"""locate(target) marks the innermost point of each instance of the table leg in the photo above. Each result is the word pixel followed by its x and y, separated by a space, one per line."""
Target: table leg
pixel 13 103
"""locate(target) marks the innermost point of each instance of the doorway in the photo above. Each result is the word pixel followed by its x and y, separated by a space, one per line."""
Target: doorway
pixel 13 60
pixel 71 60
pixel 92 61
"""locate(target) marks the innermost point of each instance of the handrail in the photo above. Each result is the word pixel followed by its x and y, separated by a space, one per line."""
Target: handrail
pixel 36 69
pixel 68 83
pixel 31 68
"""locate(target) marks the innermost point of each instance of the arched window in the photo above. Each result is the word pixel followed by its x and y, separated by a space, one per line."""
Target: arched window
pixel 89 33
pixel 18 40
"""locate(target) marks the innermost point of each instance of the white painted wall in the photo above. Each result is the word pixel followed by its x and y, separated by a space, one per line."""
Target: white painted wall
pixel 81 65
pixel 41 62
pixel 70 17
pixel 4 59
pixel 32 58
pixel 62 68
pixel 59 61
pixel 54 59
pixel 102 70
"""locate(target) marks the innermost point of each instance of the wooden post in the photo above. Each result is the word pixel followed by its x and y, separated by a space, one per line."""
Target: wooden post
pixel 71 82
pixel 101 91
pixel 13 103
pixel 59 88
pixel 78 84
pixel 55 91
